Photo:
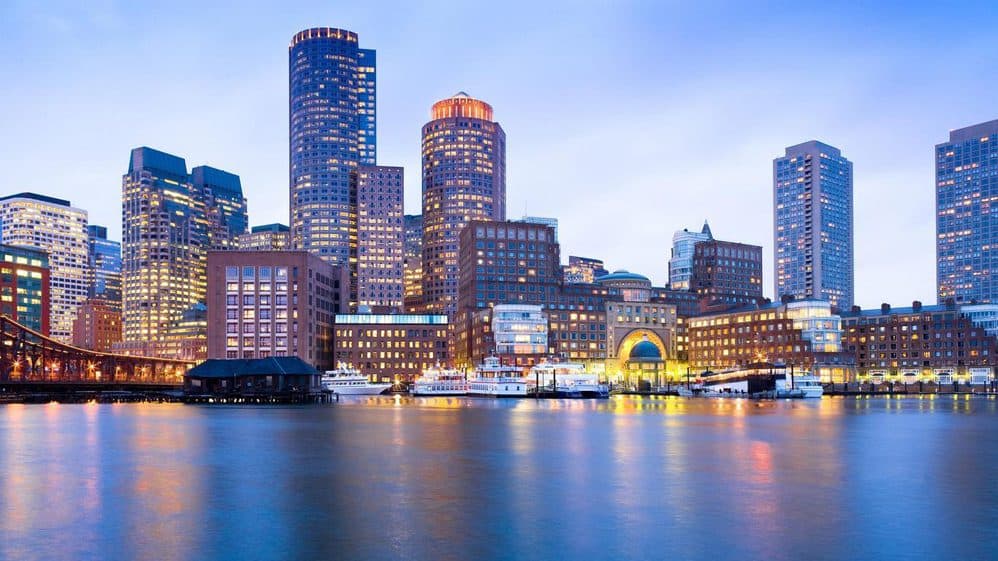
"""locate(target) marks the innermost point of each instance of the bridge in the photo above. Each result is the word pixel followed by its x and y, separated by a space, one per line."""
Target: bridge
pixel 29 358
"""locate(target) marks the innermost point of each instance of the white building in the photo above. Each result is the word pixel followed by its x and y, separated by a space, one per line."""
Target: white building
pixel 684 244
pixel 519 330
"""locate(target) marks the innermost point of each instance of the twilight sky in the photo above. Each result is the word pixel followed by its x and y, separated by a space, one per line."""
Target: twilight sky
pixel 625 120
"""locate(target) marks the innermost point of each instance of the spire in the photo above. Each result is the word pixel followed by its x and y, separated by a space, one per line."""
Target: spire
pixel 706 229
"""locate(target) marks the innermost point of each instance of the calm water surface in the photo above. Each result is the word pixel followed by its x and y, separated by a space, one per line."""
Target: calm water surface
pixel 435 478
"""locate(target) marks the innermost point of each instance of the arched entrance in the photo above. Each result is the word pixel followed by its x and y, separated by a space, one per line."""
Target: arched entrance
pixel 642 357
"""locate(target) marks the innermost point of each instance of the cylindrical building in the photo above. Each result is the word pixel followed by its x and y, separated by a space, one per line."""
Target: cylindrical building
pixel 331 126
pixel 464 178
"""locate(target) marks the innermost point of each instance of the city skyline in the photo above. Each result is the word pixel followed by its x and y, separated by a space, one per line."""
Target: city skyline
pixel 664 120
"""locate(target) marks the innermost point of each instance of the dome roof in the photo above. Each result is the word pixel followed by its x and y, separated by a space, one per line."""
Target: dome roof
pixel 645 350
pixel 622 275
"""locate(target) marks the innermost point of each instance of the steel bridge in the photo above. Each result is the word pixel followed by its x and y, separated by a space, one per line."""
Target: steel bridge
pixel 27 356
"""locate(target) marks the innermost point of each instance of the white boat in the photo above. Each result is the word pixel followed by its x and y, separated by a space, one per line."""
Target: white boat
pixel 440 381
pixel 494 379
pixel 808 385
pixel 349 381
pixel 567 379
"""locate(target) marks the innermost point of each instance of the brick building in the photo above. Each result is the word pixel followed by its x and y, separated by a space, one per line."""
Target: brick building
pixel 393 347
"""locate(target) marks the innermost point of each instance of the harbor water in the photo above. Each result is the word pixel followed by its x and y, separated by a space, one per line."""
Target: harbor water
pixel 393 477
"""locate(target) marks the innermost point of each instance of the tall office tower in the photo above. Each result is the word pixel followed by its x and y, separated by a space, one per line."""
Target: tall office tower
pixel 24 287
pixel 164 248
pixel 57 228
pixel 332 124
pixel 105 267
pixel 681 260
pixel 464 178
pixel 225 206
pixel 812 224
pixel 967 215
pixel 412 264
pixel 376 264
pixel 726 275
pixel 266 237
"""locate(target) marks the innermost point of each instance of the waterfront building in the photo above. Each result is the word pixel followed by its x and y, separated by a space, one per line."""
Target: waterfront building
pixel 225 206
pixel 391 347
pixel 813 224
pixel 260 377
pixel 516 333
pixel 966 232
pixel 268 237
pixel 984 316
pixel 681 259
pixel 105 268
pixel 60 230
pixel 332 124
pixel 640 333
pixel 803 334
pixel 412 263
pixel 726 275
pixel 377 259
pixel 97 325
pixel 582 270
pixel 464 179
pixel 938 343
pixel 274 303
pixel 24 287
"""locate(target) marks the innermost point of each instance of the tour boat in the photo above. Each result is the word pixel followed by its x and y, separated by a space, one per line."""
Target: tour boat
pixel 566 379
pixel 440 381
pixel 493 379
pixel 349 381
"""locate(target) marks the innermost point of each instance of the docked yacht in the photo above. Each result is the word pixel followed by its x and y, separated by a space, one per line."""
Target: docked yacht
pixel 349 381
pixel 566 379
pixel 440 381
pixel 808 385
pixel 493 379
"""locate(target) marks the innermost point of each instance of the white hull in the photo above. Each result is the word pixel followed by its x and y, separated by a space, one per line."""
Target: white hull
pixel 439 389
pixel 370 389
pixel 498 388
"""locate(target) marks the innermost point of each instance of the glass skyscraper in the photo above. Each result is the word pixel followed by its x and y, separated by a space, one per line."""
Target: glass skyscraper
pixel 224 202
pixel 332 125
pixel 464 179
pixel 967 215
pixel 812 224
pixel 681 260
pixel 105 267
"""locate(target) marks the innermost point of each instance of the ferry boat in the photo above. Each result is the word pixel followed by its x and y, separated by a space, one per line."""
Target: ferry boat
pixel 566 379
pixel 440 381
pixel 758 379
pixel 349 381
pixel 493 379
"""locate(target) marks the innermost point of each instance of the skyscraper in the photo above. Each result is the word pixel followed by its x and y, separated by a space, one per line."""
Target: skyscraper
pixel 60 230
pixel 105 267
pixel 812 224
pixel 332 124
pixel 681 260
pixel 225 206
pixel 412 261
pixel 967 214
pixel 464 178
pixel 376 275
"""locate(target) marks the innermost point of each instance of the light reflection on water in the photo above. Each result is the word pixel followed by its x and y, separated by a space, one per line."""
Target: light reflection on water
pixel 453 478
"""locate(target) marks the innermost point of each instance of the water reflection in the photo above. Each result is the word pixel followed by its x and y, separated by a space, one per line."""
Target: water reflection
pixel 390 477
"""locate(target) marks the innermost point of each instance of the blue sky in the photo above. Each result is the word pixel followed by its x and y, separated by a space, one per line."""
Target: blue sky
pixel 626 121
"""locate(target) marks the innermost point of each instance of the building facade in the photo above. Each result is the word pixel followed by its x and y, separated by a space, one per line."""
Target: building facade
pixel 105 268
pixel 60 230
pixel 274 303
pixel 681 259
pixel 332 123
pixel 391 347
pixel 813 224
pixel 966 231
pixel 938 343
pixel 726 275
pixel 377 272
pixel 225 205
pixel 268 237
pixel 412 262
pixel 97 325
pixel 464 179
pixel 24 287
pixel 582 270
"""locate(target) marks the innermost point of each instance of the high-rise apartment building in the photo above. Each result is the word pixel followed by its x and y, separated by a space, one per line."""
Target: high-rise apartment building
pixel 412 261
pixel 967 215
pixel 812 224
pixel 681 260
pixel 225 205
pixel 332 124
pixel 24 287
pixel 105 267
pixel 271 237
pixel 377 264
pixel 60 230
pixel 464 179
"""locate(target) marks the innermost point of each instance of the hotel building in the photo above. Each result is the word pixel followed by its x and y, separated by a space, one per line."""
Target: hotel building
pixel 812 224
pixel 24 287
pixel 60 230
pixel 377 262
pixel 391 347
pixel 464 179
pixel 966 199
pixel 273 303
pixel 332 125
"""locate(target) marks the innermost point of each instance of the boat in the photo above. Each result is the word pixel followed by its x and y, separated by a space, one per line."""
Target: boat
pixel 566 379
pixel 349 381
pixel 808 385
pixel 440 381
pixel 754 380
pixel 494 379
